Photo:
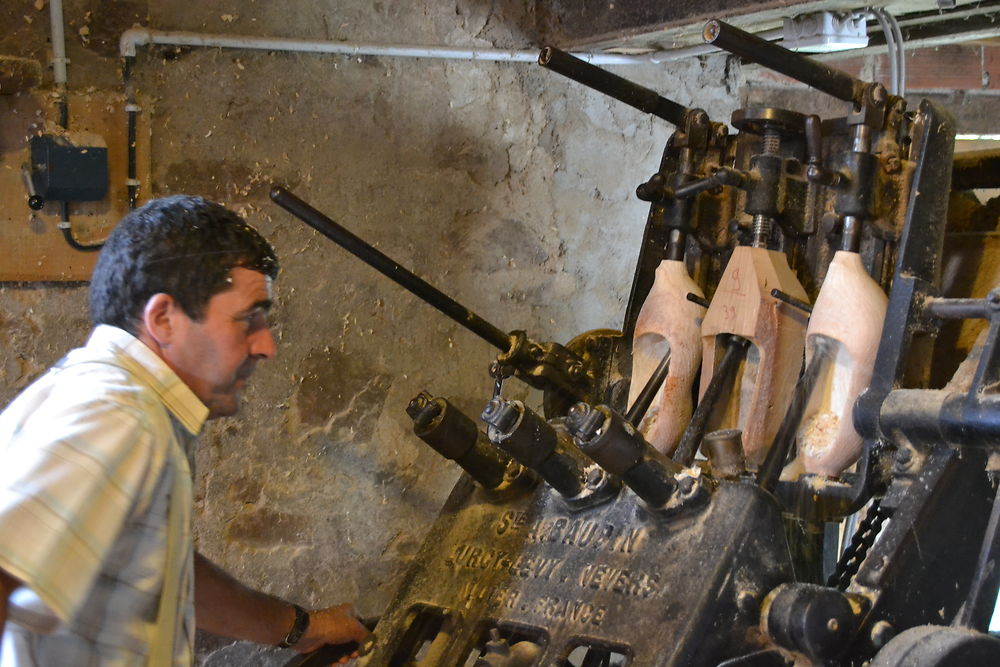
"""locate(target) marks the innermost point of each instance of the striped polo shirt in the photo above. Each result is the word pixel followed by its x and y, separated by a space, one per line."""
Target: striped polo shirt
pixel 88 459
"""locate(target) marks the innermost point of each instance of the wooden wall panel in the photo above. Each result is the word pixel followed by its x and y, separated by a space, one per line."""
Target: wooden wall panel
pixel 33 246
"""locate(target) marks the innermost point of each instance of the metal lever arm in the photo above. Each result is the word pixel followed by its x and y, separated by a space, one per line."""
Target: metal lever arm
pixel 815 172
pixel 831 81
pixel 542 365
pixel 612 85
pixel 390 268
pixel 654 190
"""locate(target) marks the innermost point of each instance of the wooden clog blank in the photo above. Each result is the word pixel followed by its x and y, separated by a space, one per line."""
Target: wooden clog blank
pixel 850 310
pixel 743 306
pixel 668 321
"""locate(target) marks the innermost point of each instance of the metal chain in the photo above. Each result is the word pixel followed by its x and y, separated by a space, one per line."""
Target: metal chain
pixel 861 542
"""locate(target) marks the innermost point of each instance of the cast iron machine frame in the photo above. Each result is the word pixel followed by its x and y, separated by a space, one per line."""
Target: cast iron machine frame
pixel 570 532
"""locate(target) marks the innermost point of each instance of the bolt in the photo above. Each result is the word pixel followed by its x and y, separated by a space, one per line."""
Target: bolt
pixel 416 405
pixel 686 485
pixel 423 410
pixel 832 625
pixel 904 458
pixel 583 421
pixel 501 415
pixel 577 415
pixel 491 409
pixel 595 476
pixel 993 298
pixel 575 370
pixel 879 93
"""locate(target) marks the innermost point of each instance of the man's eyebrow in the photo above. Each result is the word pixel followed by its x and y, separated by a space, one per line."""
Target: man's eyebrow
pixel 263 304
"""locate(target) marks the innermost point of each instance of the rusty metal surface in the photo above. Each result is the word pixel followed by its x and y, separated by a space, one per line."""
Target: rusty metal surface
pixel 615 576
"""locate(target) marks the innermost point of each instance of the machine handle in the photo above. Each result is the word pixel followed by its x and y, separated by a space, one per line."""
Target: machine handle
pixel 649 392
pixel 736 349
pixel 331 653
pixel 831 81
pixel 323 657
pixel 390 268
pixel 612 85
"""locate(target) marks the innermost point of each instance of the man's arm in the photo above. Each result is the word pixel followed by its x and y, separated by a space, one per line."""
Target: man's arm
pixel 8 585
pixel 224 606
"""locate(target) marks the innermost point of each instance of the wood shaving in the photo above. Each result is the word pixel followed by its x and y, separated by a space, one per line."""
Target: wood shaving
pixel 818 431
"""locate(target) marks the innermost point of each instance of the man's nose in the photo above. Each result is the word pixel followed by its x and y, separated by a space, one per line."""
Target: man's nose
pixel 262 345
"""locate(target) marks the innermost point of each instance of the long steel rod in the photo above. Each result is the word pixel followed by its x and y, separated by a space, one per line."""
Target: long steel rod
pixel 649 392
pixel 777 455
pixel 725 372
pixel 955 309
pixel 390 268
pixel 831 81
pixel 612 85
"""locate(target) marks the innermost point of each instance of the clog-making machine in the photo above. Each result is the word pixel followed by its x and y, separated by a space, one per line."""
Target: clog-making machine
pixel 754 470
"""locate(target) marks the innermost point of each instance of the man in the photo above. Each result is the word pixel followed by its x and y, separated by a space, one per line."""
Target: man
pixel 97 565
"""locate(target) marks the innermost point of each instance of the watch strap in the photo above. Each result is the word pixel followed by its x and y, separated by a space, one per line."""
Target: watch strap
pixel 299 627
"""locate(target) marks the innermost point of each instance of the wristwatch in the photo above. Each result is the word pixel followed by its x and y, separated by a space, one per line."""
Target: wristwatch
pixel 298 628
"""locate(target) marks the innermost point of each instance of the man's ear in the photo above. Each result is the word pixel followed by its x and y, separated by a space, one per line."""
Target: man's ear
pixel 159 318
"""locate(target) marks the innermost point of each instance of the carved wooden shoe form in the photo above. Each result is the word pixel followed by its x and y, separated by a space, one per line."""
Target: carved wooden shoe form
pixel 850 311
pixel 668 321
pixel 743 306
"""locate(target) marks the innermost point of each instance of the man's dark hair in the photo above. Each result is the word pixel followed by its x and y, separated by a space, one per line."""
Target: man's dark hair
pixel 183 246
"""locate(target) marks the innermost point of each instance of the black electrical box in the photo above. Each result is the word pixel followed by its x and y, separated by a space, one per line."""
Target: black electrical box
pixel 63 171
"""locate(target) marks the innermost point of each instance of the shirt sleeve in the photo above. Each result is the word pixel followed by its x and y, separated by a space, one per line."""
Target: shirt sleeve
pixel 69 479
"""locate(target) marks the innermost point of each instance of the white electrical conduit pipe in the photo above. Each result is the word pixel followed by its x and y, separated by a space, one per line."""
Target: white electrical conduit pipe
pixel 894 48
pixel 891 51
pixel 134 37
pixel 901 52
pixel 140 36
pixel 58 44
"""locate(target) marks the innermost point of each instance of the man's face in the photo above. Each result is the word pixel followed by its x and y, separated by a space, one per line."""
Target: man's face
pixel 216 356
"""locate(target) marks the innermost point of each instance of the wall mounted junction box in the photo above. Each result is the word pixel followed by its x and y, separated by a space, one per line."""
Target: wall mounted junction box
pixel 64 171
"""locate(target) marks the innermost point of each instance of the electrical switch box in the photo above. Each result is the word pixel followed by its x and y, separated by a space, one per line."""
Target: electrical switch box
pixel 62 170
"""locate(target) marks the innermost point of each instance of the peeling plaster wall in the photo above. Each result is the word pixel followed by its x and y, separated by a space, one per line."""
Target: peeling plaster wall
pixel 509 187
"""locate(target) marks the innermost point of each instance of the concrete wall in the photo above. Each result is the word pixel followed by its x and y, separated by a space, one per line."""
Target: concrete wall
pixel 505 185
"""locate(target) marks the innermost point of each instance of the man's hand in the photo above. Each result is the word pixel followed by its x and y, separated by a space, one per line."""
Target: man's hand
pixel 335 625
pixel 227 608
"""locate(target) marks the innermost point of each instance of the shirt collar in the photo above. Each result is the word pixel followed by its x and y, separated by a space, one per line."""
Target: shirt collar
pixel 127 351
